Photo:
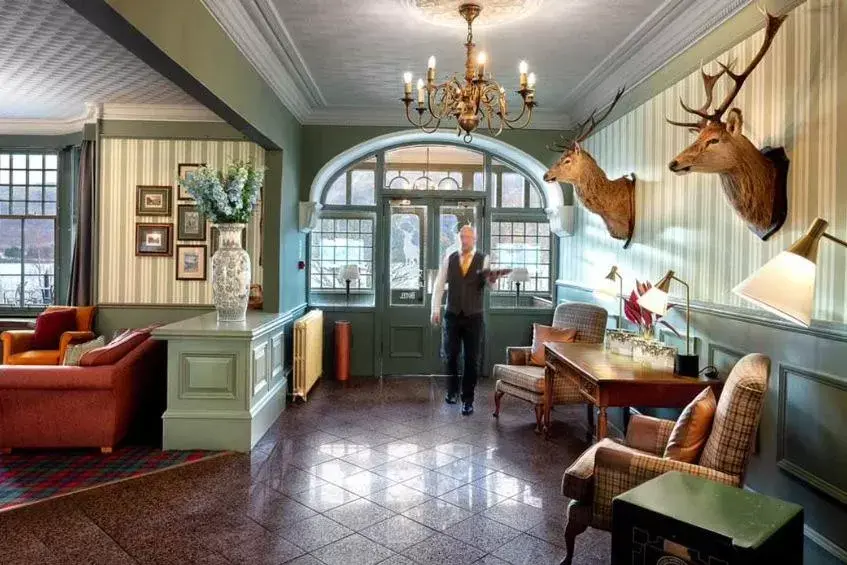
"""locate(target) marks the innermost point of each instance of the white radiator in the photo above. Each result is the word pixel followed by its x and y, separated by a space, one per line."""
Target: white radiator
pixel 308 352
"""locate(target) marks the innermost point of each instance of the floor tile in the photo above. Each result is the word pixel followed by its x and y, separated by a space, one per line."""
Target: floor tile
pixel 515 514
pixel 397 533
pixel 430 458
pixel 366 482
pixel 398 498
pixel 491 560
pixel 437 514
pixel 313 533
pixel 501 483
pixel 397 560
pixel 367 458
pixel 359 514
pixel 305 560
pixel 528 550
pixel 353 549
pixel 293 480
pixel 263 549
pixel 457 449
pixel 473 498
pixel 307 458
pixel 335 471
pixel 441 549
pixel 433 483
pixel 398 470
pixel 465 470
pixel 324 497
pixel 482 532
pixel 340 448
pixel 398 449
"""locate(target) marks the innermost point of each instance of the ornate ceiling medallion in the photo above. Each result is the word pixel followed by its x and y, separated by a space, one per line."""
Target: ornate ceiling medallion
pixel 496 12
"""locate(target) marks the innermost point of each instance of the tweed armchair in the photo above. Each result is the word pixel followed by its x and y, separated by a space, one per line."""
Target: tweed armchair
pixel 608 468
pixel 524 381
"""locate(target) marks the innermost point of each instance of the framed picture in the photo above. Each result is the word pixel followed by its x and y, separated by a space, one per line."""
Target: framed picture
pixel 190 223
pixel 153 200
pixel 191 262
pixel 154 240
pixel 182 170
pixel 215 236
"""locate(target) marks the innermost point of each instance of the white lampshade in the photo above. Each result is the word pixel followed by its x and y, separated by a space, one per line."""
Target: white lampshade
pixel 348 273
pixel 519 275
pixel 609 286
pixel 784 286
pixel 655 300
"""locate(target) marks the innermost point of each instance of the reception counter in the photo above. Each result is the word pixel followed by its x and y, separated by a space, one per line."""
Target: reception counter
pixel 226 385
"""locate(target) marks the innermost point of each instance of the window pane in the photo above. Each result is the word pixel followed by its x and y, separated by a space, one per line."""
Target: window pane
pixel 434 161
pixel 36 161
pixel 341 242
pixel 19 161
pixel 534 198
pixel 19 177
pixel 51 161
pixel 5 176
pixel 406 257
pixel 522 245
pixel 5 161
pixel 36 177
pixel 50 193
pixel 50 177
pixel 10 264
pixel 362 188
pixel 513 190
pixel 337 193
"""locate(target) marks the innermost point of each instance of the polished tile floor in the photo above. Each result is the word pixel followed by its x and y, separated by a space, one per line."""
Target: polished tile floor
pixel 372 472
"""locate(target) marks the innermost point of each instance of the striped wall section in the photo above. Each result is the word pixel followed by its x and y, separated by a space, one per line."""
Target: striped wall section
pixel 685 222
pixel 124 278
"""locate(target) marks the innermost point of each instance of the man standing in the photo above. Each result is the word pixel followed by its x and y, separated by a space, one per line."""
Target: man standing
pixel 466 273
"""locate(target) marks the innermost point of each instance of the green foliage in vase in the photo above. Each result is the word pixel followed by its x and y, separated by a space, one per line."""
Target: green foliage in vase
pixel 227 196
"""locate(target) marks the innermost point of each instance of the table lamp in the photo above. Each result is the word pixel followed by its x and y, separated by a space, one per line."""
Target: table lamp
pixel 785 285
pixel 348 274
pixel 656 300
pixel 612 285
pixel 518 276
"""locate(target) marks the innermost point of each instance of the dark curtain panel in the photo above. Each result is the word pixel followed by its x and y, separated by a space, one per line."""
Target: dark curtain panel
pixel 79 293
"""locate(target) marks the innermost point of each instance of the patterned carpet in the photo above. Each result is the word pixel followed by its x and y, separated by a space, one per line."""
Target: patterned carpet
pixel 32 476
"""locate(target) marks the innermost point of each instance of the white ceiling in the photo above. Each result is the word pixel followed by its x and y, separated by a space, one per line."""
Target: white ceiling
pixel 54 62
pixel 341 61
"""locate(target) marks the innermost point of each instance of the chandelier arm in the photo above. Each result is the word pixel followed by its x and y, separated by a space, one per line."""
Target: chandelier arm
pixel 526 111
pixel 419 123
pixel 445 104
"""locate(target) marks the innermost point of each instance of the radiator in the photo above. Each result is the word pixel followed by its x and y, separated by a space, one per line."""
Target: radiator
pixel 308 352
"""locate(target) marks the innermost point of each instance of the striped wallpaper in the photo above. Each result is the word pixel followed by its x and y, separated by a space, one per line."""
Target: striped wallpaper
pixel 686 223
pixel 124 278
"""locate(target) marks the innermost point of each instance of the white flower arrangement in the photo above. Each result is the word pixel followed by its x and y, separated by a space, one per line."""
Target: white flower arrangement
pixel 227 196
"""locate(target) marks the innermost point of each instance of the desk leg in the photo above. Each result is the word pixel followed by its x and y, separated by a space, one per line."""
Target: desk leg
pixel 589 416
pixel 549 374
pixel 601 423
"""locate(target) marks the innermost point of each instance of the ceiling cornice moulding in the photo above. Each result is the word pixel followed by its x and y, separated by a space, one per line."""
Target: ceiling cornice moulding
pixel 158 113
pixel 40 126
pixel 257 30
pixel 670 30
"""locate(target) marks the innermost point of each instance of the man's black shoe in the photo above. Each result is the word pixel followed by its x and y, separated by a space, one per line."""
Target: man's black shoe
pixel 450 398
pixel 467 409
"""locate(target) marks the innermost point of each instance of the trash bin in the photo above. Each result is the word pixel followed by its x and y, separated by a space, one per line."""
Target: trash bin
pixel 343 343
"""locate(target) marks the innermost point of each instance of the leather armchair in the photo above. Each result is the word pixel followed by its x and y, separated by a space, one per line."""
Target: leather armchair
pixel 17 343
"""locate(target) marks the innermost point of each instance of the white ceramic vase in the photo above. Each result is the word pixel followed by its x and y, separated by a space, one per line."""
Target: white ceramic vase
pixel 230 274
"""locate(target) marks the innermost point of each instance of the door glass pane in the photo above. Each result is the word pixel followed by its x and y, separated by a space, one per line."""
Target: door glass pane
pixel 406 256
pixel 513 190
pixel 362 188
pixel 451 219
pixel 337 192
pixel 10 266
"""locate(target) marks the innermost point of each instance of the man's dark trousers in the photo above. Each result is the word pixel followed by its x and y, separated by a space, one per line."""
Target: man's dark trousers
pixel 462 332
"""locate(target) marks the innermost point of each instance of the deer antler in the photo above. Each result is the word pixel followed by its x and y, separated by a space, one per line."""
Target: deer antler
pixel 586 127
pixel 709 81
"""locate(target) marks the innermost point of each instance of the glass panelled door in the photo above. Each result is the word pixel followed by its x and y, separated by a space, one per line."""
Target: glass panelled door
pixel 421 231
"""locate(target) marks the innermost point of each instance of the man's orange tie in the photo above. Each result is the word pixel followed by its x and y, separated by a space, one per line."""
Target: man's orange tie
pixel 466 262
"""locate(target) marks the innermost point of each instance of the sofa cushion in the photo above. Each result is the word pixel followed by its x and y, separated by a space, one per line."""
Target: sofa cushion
pixel 692 428
pixel 115 351
pixel 578 480
pixel 35 357
pixel 50 325
pixel 527 377
pixel 74 353
pixel 541 334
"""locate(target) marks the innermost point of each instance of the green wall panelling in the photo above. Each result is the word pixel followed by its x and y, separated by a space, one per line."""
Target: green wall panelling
pixel 362 362
pixel 506 328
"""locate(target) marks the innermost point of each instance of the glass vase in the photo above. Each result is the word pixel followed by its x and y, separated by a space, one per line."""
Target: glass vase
pixel 231 275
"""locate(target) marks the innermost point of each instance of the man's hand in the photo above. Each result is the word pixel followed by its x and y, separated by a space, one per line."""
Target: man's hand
pixel 436 318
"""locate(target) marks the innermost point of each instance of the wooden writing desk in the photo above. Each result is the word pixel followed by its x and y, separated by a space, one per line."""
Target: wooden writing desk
pixel 606 379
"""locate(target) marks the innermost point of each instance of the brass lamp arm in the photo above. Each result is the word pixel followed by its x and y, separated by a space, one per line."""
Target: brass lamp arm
pixel 687 313
pixel 840 242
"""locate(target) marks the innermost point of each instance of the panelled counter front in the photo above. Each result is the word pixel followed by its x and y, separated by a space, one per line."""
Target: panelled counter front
pixel 226 384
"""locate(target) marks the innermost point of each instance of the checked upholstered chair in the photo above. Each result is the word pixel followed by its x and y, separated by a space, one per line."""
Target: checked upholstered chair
pixel 525 381
pixel 608 468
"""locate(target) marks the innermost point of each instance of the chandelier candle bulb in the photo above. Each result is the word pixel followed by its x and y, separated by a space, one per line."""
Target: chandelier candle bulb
pixel 480 62
pixel 420 92
pixel 407 83
pixel 531 81
pixel 523 68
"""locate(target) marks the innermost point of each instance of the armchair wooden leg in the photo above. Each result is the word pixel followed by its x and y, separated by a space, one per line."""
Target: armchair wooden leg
pixel 572 529
pixel 105 450
pixel 498 395
pixel 539 418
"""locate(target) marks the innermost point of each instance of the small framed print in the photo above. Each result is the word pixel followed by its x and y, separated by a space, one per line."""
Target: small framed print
pixel 214 238
pixel 154 240
pixel 191 262
pixel 153 200
pixel 182 170
pixel 190 223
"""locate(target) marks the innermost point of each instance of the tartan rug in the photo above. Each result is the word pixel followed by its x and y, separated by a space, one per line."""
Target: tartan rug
pixel 33 476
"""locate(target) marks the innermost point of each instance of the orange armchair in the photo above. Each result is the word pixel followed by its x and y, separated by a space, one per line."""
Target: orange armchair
pixel 16 343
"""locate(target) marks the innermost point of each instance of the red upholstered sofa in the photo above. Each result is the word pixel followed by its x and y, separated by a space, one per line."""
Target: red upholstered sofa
pixel 87 406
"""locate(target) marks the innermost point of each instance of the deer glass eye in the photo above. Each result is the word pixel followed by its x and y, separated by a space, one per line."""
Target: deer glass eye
pixel 712 141
pixel 567 161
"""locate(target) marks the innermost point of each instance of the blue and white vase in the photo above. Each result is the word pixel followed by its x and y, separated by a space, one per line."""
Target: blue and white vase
pixel 230 274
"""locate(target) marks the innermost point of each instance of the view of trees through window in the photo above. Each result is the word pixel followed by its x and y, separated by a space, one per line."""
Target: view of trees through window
pixel 28 184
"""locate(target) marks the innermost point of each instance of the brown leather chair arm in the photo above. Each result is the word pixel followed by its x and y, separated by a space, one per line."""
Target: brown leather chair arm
pixel 16 341
pixel 649 434
pixel 518 355
pixel 69 338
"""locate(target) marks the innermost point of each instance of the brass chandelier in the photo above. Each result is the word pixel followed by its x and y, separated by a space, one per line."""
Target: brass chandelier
pixel 478 99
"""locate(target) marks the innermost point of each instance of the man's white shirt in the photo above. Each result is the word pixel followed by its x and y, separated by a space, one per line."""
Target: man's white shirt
pixel 441 278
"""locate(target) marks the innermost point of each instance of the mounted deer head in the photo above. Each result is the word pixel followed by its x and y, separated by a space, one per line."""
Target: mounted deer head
pixel 612 200
pixel 754 181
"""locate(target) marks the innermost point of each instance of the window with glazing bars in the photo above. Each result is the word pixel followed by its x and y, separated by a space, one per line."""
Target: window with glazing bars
pixel 526 244
pixel 28 182
pixel 338 242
